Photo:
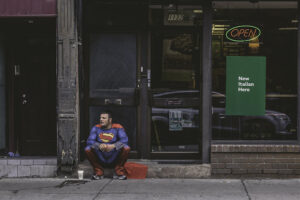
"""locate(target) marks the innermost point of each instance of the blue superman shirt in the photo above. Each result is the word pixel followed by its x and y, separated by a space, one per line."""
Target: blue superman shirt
pixel 115 135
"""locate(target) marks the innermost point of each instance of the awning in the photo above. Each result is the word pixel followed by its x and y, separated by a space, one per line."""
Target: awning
pixel 27 8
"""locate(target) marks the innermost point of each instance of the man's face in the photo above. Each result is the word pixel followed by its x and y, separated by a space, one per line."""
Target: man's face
pixel 105 120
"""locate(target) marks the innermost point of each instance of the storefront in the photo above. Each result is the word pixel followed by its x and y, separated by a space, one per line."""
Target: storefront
pixel 203 81
pixel 143 81
pixel 167 46
pixel 199 81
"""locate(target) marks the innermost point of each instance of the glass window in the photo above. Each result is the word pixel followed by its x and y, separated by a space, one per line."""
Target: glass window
pixel 175 47
pixel 277 22
pixel 2 95
pixel 111 55
pixel 175 81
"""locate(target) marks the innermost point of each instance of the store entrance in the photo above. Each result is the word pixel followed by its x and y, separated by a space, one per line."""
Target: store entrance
pixel 144 65
pixel 112 80
pixel 114 51
pixel 176 80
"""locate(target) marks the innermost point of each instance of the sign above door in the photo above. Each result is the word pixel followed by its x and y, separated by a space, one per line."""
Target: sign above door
pixel 28 8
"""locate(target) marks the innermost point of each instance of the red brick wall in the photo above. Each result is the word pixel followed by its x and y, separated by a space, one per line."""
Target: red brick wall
pixel 255 159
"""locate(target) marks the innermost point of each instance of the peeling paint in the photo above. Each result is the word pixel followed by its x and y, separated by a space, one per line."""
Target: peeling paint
pixel 63 153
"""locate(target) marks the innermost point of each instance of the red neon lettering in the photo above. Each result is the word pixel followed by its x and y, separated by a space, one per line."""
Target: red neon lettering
pixel 232 33
pixel 252 33
pixel 246 32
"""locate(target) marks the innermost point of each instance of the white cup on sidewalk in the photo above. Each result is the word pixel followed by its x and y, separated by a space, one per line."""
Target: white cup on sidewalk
pixel 80 174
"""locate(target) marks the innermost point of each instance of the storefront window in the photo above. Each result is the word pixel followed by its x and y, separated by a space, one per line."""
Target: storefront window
pixel 2 95
pixel 264 29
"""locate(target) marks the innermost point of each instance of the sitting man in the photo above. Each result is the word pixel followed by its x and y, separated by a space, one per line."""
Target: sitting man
pixel 107 146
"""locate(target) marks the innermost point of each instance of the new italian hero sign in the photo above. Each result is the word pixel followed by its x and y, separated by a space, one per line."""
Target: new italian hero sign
pixel 245 85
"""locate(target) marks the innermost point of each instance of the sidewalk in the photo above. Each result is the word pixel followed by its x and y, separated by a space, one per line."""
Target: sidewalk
pixel 162 189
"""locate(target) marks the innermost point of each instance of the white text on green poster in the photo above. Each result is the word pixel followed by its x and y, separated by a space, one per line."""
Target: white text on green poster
pixel 245 85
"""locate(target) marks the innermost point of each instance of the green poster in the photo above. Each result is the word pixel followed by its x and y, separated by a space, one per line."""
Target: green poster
pixel 245 85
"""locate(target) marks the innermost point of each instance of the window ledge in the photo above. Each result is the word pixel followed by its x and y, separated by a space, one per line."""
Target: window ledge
pixel 263 148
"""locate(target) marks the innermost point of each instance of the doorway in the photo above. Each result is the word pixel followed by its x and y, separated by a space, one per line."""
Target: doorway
pixel 112 80
pixel 113 53
pixel 32 83
pixel 176 34
pixel 146 61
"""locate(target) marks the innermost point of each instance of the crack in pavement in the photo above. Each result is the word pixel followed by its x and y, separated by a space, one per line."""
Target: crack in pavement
pixel 99 193
pixel 71 182
pixel 245 188
pixel 24 189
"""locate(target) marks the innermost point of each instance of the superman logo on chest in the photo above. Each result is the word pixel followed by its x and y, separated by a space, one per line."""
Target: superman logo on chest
pixel 106 137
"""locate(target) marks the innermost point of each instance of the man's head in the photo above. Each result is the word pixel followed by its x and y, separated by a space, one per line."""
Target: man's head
pixel 106 119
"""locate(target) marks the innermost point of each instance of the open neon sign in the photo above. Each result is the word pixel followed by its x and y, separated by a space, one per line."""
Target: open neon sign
pixel 243 33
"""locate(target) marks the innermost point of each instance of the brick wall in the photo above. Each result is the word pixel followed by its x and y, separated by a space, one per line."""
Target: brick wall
pixel 255 159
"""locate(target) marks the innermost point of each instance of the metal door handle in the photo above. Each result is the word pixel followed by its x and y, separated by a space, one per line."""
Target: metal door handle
pixel 174 102
pixel 107 101
pixel 118 101
pixel 222 116
pixel 114 101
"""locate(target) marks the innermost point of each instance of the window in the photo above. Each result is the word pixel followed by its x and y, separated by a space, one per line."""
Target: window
pixel 277 42
pixel 175 47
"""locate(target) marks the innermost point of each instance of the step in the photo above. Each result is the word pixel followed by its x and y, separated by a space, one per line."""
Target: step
pixel 160 169
pixel 28 166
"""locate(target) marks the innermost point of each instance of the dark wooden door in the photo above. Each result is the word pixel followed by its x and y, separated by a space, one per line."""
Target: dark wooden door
pixel 113 80
pixel 34 71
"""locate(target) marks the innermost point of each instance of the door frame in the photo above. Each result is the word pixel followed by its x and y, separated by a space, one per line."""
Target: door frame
pixel 187 155
pixel 88 101
pixel 10 54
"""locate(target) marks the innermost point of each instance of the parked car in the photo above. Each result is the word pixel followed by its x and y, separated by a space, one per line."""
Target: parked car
pixel 269 126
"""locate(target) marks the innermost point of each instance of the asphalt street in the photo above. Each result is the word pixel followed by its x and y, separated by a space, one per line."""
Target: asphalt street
pixel 162 189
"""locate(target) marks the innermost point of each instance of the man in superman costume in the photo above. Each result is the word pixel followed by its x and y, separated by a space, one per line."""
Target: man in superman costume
pixel 107 146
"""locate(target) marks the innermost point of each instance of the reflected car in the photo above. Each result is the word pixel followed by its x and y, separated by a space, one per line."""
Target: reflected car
pixel 269 126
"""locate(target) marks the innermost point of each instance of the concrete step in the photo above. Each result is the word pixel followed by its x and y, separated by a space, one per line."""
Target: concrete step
pixel 28 166
pixel 160 169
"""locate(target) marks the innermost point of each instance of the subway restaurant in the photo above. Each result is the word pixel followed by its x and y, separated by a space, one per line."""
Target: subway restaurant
pixel 196 82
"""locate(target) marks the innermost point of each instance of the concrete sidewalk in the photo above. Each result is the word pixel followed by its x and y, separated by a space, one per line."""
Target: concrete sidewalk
pixel 162 189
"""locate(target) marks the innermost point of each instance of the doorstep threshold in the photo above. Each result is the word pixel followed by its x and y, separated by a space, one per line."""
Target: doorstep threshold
pixel 28 157
pixel 169 168
pixel 167 161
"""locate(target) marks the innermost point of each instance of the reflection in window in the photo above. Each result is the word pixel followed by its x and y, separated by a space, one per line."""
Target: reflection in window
pixel 278 43
pixel 175 129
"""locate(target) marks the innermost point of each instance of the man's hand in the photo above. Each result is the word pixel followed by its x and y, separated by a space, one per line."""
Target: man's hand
pixel 102 147
pixel 106 147
pixel 110 147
